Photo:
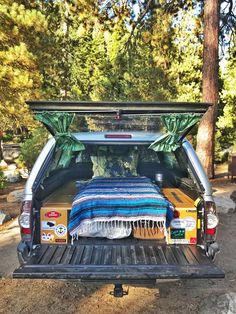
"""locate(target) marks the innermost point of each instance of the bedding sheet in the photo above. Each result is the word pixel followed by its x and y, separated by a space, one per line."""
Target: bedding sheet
pixel 111 207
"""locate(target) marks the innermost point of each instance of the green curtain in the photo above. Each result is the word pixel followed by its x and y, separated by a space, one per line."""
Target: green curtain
pixel 59 123
pixel 175 125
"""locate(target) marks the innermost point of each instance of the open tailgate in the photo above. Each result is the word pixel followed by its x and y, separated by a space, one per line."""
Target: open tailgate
pixel 118 261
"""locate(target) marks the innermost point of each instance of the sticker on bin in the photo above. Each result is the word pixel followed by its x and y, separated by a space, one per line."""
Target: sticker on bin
pixel 60 240
pixel 48 237
pixel 193 240
pixel 190 223
pixel 177 233
pixel 178 223
pixel 48 225
pixel 61 230
pixel 53 214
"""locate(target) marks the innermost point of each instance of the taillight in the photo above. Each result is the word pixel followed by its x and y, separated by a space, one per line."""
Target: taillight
pixel 26 231
pixel 211 221
pixel 25 220
pixel 211 231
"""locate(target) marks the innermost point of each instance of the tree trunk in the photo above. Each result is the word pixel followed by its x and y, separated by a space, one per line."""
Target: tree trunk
pixel 1 152
pixel 206 131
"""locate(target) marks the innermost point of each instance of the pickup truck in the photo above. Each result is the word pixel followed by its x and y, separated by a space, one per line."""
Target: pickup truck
pixel 184 247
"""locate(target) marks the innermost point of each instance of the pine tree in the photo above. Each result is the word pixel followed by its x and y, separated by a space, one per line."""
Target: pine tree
pixel 226 123
pixel 20 29
pixel 186 62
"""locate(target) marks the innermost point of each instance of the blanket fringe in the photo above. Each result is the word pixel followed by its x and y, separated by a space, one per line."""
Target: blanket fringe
pixel 87 227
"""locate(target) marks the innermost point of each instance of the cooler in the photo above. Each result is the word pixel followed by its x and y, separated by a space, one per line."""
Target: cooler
pixel 182 230
pixel 54 216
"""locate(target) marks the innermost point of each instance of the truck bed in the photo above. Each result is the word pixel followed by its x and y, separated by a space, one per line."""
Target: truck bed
pixel 118 261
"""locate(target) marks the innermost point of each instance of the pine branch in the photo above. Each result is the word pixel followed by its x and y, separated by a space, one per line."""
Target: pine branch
pixel 138 21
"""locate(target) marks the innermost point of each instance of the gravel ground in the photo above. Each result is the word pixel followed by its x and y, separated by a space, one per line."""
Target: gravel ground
pixel 185 296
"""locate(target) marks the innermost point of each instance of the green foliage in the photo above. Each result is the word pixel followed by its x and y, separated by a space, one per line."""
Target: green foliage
pixel 3 181
pixel 32 146
pixel 20 31
pixel 99 50
pixel 186 66
pixel 226 124
pixel 86 52
pixel 90 57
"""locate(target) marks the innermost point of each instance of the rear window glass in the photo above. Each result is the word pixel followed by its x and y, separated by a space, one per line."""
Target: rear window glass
pixel 103 123
pixel 137 160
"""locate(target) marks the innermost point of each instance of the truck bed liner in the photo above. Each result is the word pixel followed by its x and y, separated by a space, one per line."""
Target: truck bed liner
pixel 118 261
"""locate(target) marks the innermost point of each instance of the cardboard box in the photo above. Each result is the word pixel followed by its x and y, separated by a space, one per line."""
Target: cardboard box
pixel 149 233
pixel 54 217
pixel 183 230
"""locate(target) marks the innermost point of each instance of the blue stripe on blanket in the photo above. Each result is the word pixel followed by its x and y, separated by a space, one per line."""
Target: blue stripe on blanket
pixel 122 216
pixel 123 203
pixel 124 212
pixel 122 199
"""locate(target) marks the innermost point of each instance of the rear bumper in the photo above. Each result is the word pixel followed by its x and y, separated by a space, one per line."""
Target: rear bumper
pixel 143 261
pixel 119 274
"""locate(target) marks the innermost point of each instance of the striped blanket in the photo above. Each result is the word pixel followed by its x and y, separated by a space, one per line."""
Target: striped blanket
pixel 115 206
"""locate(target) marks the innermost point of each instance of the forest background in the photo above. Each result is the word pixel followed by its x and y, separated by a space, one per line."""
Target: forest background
pixel 110 50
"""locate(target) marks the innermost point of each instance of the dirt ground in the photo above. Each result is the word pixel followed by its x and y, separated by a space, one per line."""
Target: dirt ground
pixel 185 296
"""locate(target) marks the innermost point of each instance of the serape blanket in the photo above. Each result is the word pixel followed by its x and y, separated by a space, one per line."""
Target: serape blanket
pixel 127 202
